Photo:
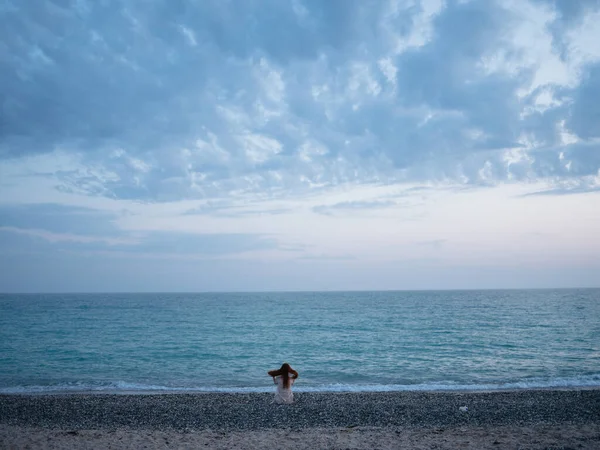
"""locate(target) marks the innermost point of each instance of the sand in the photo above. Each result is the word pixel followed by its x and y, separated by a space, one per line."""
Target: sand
pixel 532 419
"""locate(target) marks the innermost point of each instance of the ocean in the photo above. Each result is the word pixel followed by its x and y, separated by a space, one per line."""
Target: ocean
pixel 337 341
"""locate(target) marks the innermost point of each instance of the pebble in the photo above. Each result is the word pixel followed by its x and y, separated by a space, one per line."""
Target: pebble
pixel 231 412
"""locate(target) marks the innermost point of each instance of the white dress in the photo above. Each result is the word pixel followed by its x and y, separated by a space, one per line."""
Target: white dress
pixel 283 395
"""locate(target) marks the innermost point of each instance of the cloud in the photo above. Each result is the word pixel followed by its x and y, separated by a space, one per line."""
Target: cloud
pixel 229 211
pixel 167 102
pixel 154 243
pixel 352 206
pixel 205 244
pixel 63 237
pixel 567 190
pixel 56 218
pixel 78 229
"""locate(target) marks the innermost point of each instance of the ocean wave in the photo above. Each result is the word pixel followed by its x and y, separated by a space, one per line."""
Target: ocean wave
pixel 131 387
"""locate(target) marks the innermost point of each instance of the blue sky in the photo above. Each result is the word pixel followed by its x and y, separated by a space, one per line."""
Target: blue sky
pixel 299 145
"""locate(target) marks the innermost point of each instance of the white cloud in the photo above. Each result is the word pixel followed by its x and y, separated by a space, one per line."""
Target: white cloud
pixel 259 148
pixel 210 151
pixel 362 82
pixel 311 149
pixel 582 41
pixel 517 157
pixel 543 101
pixel 532 47
pixel 566 137
pixel 389 70
pixel 485 173
pixel 235 116
pixel 189 35
pixel 422 22
pixel 271 81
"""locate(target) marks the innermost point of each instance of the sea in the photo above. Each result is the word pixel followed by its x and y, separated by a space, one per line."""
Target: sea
pixel 337 341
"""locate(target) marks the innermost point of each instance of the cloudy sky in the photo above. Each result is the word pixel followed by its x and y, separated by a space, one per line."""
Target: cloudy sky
pixel 196 145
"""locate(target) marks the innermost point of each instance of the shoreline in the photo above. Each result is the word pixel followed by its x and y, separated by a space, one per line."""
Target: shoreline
pixel 540 418
pixel 300 391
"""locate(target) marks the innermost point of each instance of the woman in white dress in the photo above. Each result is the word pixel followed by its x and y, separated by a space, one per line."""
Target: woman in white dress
pixel 284 382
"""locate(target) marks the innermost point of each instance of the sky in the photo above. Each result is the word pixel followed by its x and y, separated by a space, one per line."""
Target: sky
pixel 273 145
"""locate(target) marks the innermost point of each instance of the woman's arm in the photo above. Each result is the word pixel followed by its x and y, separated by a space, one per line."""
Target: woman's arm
pixel 273 373
pixel 294 373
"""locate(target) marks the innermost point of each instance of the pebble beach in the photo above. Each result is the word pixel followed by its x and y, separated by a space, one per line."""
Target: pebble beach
pixel 500 419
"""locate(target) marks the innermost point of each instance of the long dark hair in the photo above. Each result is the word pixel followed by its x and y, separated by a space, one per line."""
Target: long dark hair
pixel 284 372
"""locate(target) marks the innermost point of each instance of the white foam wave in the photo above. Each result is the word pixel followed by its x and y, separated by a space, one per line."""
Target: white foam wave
pixel 130 387
pixel 580 382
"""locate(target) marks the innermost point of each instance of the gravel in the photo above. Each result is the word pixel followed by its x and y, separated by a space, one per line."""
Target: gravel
pixel 236 412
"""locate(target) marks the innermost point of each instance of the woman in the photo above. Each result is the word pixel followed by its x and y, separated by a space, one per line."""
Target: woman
pixel 284 383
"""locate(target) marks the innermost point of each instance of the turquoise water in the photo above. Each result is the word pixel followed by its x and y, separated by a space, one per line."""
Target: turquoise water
pixel 338 341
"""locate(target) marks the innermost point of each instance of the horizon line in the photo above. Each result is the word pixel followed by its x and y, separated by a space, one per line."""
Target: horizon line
pixel 301 291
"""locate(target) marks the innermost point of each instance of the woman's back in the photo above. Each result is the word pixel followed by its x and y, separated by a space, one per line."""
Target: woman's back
pixel 284 394
pixel 284 382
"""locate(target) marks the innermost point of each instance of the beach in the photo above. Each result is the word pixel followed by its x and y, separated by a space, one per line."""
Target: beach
pixel 568 418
